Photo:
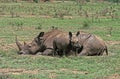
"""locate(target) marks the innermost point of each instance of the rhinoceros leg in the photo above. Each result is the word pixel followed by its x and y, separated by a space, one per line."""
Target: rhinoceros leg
pixel 76 52
pixel 48 52
pixel 64 52
pixel 39 53
pixel 88 52
pixel 84 52
pixel 101 51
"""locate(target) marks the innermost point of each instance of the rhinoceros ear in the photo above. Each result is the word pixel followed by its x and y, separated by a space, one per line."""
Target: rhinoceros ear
pixel 41 34
pixel 70 34
pixel 77 33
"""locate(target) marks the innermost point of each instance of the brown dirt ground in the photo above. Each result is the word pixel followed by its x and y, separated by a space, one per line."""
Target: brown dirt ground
pixel 17 71
pixel 52 73
pixel 30 15
pixel 113 42
pixel 8 46
pixel 36 71
pixel 114 76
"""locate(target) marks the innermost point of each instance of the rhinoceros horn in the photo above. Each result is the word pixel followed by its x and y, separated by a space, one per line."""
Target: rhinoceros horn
pixel 18 44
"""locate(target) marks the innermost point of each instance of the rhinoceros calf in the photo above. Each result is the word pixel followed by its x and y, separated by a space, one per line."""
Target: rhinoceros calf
pixel 63 43
pixel 91 44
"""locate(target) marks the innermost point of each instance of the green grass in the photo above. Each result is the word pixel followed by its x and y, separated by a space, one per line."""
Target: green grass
pixel 85 67
pixel 26 27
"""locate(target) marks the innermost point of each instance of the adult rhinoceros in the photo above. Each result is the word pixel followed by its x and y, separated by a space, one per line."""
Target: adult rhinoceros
pixel 91 45
pixel 43 43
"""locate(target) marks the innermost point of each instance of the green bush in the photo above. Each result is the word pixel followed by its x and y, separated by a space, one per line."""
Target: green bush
pixel 39 26
pixel 115 1
pixel 3 76
pixel 86 24
pixel 36 1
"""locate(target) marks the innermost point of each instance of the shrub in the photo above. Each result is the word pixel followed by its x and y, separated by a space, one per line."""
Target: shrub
pixel 39 26
pixel 18 25
pixel 3 76
pixel 86 24
pixel 36 1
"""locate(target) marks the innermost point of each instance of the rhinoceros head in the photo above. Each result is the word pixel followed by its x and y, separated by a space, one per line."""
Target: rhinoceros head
pixel 33 47
pixel 75 40
pixel 76 46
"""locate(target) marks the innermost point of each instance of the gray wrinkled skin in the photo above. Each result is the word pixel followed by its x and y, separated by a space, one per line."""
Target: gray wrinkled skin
pixel 64 42
pixel 33 47
pixel 42 44
pixel 83 44
pixel 92 45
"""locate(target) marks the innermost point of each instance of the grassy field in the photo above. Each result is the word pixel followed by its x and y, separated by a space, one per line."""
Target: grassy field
pixel 26 20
